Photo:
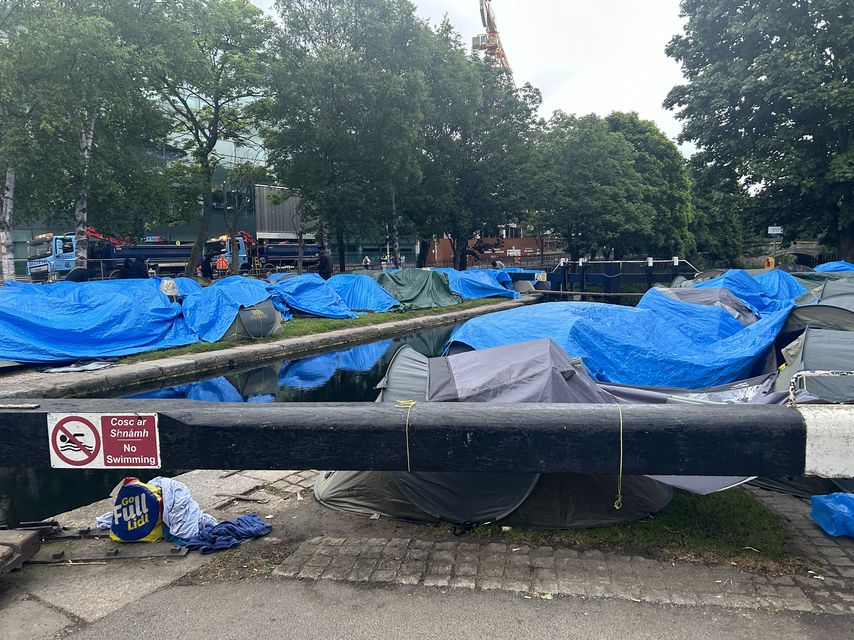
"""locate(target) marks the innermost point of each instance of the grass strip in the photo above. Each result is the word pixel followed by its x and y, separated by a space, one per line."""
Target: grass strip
pixel 305 326
pixel 727 527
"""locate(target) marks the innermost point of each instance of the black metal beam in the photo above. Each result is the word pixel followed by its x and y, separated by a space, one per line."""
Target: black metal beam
pixel 656 439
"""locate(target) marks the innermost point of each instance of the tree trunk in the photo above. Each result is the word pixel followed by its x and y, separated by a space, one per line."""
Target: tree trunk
pixel 207 213
pixel 81 203
pixel 339 238
pixel 845 243
pixel 234 247
pixel 423 252
pixel 395 244
pixel 234 267
pixel 7 247
pixel 298 227
pixel 300 249
pixel 461 246
pixel 395 231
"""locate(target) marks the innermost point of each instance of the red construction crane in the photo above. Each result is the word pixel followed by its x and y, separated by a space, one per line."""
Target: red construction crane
pixel 490 42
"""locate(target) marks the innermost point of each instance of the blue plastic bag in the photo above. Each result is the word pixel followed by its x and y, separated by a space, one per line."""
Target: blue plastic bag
pixel 834 513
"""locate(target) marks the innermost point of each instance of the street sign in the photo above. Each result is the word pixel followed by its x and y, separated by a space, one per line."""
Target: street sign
pixel 775 232
pixel 103 441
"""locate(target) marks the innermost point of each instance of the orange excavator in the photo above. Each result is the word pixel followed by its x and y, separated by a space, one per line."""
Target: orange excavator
pixel 490 42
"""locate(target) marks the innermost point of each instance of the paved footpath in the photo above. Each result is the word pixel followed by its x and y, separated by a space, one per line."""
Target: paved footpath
pixel 318 562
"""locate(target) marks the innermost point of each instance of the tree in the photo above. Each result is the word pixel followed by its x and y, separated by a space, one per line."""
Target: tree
pixel 102 78
pixel 75 73
pixel 720 211
pixel 8 90
pixel 210 68
pixel 769 98
pixel 591 192
pixel 478 141
pixel 667 186
pixel 448 114
pixel 348 94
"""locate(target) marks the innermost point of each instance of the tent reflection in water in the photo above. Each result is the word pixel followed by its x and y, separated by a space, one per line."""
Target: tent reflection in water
pixel 537 371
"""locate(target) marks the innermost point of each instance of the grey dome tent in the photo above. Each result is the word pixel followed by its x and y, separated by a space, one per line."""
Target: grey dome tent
pixel 821 350
pixel 536 371
pixel 257 321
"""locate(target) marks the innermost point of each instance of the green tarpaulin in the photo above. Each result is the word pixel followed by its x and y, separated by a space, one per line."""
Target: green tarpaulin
pixel 417 289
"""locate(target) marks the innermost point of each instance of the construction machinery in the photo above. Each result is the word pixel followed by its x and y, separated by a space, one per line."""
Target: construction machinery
pixel 490 42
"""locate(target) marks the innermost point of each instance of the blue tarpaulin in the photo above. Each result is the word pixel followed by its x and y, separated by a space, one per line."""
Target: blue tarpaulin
pixel 362 293
pixel 780 285
pixel 750 291
pixel 310 294
pixel 500 276
pixel 838 265
pixel 211 310
pixel 475 283
pixel 834 513
pixel 661 342
pixel 186 286
pixel 69 321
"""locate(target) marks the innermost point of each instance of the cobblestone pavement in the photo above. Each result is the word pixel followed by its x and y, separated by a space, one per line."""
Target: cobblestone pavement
pixel 543 571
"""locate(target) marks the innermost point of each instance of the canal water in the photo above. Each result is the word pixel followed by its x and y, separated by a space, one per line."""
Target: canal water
pixel 339 376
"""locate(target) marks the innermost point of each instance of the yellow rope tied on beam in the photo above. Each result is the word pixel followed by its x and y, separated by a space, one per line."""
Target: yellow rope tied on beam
pixel 618 503
pixel 408 405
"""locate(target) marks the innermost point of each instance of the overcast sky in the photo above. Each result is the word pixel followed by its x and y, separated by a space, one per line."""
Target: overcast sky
pixel 584 55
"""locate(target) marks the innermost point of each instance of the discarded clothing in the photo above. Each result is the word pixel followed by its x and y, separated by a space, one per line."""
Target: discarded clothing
pixel 229 534
pixel 181 514
pixel 80 366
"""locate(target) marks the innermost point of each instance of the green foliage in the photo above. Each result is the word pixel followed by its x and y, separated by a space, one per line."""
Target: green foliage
pixel 379 122
pixel 720 211
pixel 667 186
pixel 769 98
pixel 208 64
pixel 347 99
pixel 68 68
pixel 591 191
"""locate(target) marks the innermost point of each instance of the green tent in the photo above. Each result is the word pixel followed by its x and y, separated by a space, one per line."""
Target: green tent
pixel 417 288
